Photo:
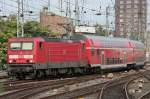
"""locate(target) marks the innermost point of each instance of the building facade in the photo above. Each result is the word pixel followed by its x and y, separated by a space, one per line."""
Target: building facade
pixel 131 18
pixel 55 23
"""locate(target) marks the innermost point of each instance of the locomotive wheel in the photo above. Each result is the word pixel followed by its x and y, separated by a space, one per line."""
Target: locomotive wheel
pixel 20 76
pixel 39 74
pixel 131 66
pixel 138 67
pixel 69 71
pixel 62 71
pixel 78 70
pixel 141 67
pixel 32 76
pixel 96 70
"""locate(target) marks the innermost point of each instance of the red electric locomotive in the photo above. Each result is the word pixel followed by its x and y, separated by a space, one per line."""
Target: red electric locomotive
pixel 36 57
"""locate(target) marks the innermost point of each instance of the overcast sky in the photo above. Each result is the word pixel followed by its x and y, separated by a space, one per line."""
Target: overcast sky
pixel 10 7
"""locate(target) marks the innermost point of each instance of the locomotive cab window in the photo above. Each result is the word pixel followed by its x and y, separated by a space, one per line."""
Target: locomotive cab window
pixel 98 51
pixel 15 46
pixel 27 46
pixel 21 46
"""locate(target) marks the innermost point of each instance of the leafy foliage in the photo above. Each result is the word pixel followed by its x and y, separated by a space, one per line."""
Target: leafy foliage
pixel 100 30
pixel 34 29
pixel 8 29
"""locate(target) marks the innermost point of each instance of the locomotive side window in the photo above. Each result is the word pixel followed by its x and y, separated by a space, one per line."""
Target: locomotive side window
pixel 125 57
pixel 83 47
pixel 98 51
pixel 92 47
pixel 92 51
pixel 40 45
pixel 102 59
pixel 15 46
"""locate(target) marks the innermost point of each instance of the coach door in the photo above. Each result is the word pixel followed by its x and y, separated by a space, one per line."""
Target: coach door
pixel 92 52
pixel 99 56
pixel 102 57
pixel 125 57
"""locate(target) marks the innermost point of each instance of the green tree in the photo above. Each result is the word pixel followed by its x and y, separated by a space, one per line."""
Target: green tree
pixel 100 30
pixel 8 28
pixel 34 29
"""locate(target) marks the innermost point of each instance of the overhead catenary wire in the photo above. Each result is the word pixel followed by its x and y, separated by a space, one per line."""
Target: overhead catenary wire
pixel 37 7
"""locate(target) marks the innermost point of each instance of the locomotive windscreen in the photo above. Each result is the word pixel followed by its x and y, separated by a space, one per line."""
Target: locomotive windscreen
pixel 21 45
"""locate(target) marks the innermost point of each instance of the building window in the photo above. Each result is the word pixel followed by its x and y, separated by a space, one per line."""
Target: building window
pixel 136 1
pixel 128 6
pixel 121 20
pixel 121 2
pixel 135 10
pixel 121 11
pixel 121 6
pixel 128 2
pixel 135 6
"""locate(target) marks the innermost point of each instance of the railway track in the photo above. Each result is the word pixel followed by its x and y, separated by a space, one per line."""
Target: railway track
pixel 12 84
pixel 114 89
pixel 145 91
pixel 26 89
pixel 33 88
pixel 145 96
pixel 118 90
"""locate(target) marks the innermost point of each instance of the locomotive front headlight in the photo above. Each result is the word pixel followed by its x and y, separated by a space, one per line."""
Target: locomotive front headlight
pixel 10 61
pixel 28 56
pixel 13 56
pixel 31 61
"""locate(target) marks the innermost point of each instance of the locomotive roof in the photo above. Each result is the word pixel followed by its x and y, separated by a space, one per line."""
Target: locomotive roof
pixel 24 39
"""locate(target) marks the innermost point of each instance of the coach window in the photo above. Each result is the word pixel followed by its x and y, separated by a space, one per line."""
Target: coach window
pixel 40 45
pixel 98 52
pixel 102 59
pixel 92 51
pixel 83 47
